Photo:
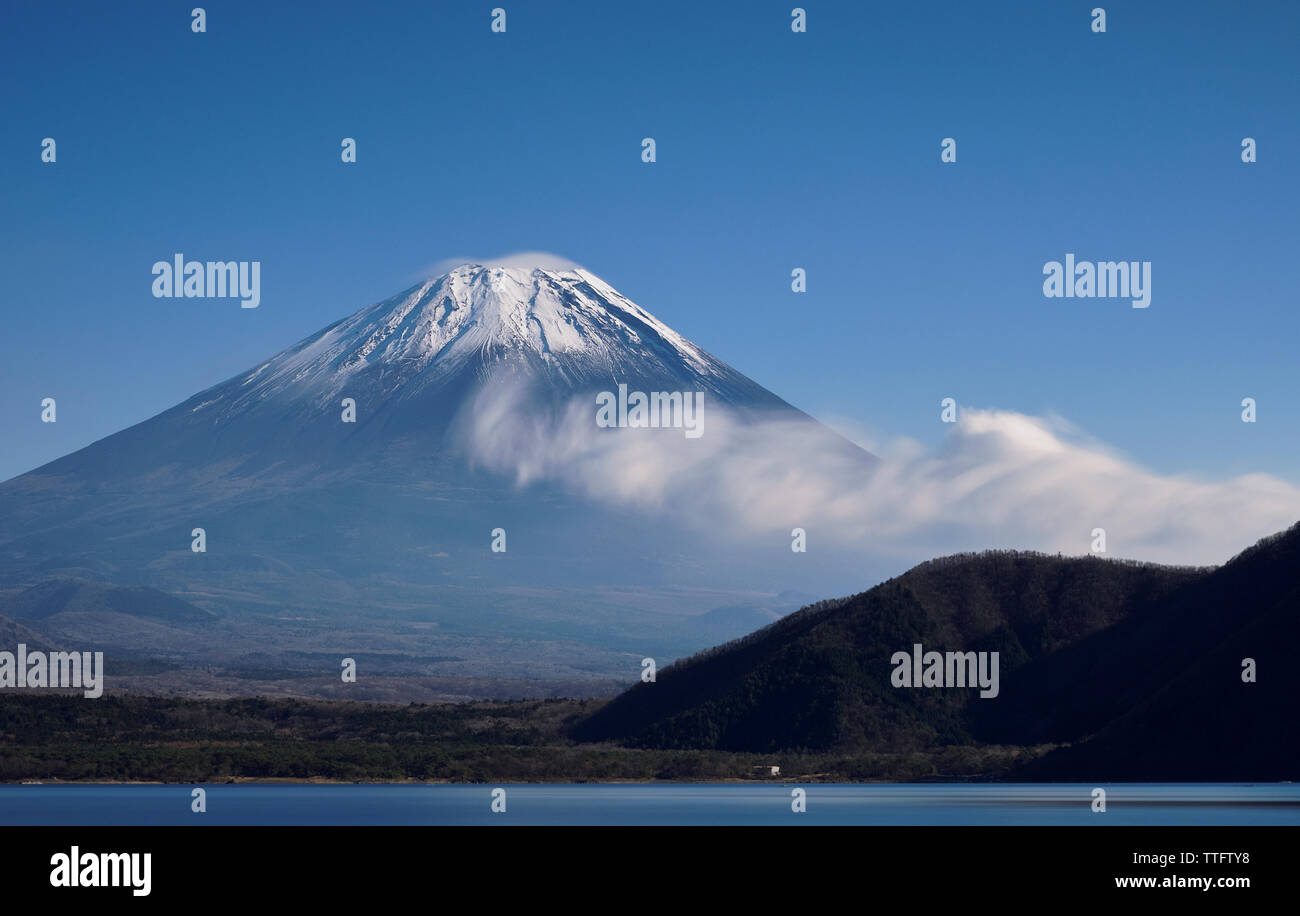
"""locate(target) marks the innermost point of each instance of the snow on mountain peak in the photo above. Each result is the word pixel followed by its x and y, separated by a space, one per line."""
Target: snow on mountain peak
pixel 544 316
pixel 560 324
pixel 412 370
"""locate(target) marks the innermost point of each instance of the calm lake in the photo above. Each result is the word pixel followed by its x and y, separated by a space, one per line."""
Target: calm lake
pixel 659 803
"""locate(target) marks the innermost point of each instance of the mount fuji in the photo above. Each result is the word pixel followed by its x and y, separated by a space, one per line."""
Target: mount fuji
pixel 326 538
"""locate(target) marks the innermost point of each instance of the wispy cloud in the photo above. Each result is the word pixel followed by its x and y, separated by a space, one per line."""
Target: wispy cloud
pixel 998 479
pixel 523 259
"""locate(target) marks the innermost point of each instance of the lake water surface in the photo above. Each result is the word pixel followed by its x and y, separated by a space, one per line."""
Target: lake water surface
pixel 654 803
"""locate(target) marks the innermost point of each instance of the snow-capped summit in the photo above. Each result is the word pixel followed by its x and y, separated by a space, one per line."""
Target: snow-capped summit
pixel 566 330
pixel 544 315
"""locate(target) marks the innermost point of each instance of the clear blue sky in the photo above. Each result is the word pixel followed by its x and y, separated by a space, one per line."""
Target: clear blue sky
pixel 775 150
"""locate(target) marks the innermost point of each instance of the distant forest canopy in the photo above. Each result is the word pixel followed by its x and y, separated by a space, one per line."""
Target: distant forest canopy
pixel 130 738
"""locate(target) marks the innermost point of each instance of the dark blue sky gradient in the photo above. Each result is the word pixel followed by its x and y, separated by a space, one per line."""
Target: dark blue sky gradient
pixel 775 150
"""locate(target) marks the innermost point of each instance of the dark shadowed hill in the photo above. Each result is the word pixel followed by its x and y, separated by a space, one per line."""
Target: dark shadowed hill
pixel 1162 692
pixel 1139 658
pixel 821 678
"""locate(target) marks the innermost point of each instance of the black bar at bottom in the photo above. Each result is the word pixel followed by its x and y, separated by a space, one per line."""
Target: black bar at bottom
pixel 656 865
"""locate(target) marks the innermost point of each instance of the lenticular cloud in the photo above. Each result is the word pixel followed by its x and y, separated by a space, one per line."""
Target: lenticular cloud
pixel 999 479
